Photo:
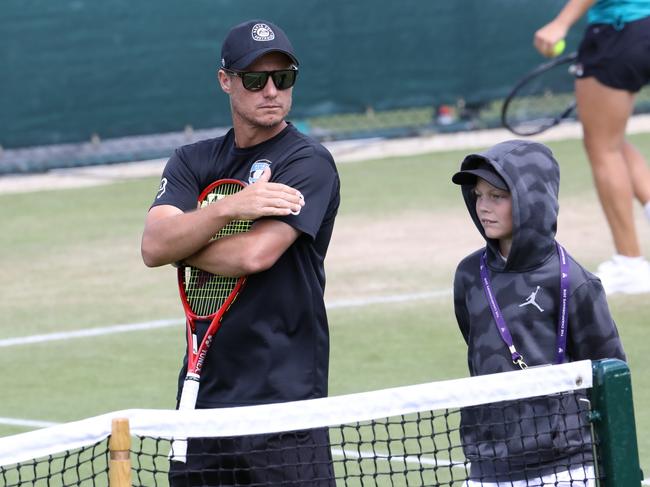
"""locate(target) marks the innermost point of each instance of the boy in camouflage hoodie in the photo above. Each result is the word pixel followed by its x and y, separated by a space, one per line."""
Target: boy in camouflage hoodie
pixel 511 192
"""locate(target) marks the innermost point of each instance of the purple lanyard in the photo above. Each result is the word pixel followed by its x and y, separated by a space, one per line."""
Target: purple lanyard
pixel 517 358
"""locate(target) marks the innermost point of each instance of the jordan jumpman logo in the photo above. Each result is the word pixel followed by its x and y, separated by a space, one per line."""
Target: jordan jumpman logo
pixel 531 300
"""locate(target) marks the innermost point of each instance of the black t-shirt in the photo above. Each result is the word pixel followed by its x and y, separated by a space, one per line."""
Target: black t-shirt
pixel 273 344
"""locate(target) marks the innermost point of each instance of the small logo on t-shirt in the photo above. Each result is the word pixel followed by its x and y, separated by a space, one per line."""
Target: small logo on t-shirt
pixel 262 32
pixel 257 168
pixel 162 188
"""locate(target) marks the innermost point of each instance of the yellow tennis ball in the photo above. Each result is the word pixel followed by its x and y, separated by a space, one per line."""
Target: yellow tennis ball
pixel 559 46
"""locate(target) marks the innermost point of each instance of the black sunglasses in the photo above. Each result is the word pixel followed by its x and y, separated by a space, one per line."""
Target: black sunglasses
pixel 283 79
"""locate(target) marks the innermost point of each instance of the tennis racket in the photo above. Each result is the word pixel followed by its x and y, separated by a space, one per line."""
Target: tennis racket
pixel 542 98
pixel 205 296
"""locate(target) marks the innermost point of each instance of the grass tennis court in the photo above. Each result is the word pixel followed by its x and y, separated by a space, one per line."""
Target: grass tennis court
pixel 71 262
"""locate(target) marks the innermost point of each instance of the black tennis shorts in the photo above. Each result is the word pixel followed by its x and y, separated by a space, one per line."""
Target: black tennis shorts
pixel 617 56
pixel 293 459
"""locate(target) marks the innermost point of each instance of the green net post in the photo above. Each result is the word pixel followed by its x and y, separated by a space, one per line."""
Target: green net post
pixel 613 419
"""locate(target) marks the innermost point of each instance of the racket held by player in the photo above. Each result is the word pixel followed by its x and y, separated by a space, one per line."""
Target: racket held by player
pixel 205 297
pixel 542 98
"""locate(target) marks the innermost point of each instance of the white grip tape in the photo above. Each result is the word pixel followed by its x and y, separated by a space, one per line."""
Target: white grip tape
pixel 189 394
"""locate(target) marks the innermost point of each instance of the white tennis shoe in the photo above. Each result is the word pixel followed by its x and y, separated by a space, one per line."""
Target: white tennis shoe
pixel 625 275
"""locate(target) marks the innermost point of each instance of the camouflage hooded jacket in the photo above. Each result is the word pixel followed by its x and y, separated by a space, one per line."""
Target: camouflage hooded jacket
pixel 532 270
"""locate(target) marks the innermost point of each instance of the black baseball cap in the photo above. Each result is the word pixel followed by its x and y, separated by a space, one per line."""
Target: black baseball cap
pixel 248 41
pixel 467 177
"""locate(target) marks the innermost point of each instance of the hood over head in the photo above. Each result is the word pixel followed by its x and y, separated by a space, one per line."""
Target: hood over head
pixel 532 176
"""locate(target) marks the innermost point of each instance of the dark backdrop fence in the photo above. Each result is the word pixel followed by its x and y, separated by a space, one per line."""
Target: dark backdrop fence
pixel 118 68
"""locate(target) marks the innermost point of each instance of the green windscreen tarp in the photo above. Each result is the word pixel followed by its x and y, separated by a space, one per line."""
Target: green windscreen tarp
pixel 115 68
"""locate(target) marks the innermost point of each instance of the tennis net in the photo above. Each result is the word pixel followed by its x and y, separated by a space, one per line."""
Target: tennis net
pixel 569 423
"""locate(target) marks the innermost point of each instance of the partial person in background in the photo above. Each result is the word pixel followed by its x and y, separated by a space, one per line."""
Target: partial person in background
pixel 520 301
pixel 273 344
pixel 613 65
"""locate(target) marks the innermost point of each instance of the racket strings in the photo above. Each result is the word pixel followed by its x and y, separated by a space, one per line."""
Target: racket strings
pixel 542 99
pixel 233 228
pixel 218 193
pixel 207 292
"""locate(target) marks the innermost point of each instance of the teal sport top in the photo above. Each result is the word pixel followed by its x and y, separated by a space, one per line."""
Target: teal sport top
pixel 618 11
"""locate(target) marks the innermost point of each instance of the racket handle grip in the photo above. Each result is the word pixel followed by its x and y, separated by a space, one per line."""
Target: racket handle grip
pixel 189 394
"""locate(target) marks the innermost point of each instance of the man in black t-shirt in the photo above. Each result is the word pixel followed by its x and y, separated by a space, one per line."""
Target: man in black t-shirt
pixel 273 344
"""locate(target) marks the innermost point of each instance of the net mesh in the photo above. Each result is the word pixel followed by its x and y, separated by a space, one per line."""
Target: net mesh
pixel 443 433
pixel 426 448
pixel 87 466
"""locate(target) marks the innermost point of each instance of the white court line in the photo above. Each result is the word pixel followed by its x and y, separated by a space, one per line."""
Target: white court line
pixel 396 298
pixel 30 423
pixel 104 330
pixel 113 329
pixel 420 460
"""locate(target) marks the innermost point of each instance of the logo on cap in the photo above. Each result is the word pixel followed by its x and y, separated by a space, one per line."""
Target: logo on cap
pixel 262 32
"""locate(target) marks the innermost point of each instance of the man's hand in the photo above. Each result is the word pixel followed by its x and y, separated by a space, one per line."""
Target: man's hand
pixel 263 198
pixel 171 235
